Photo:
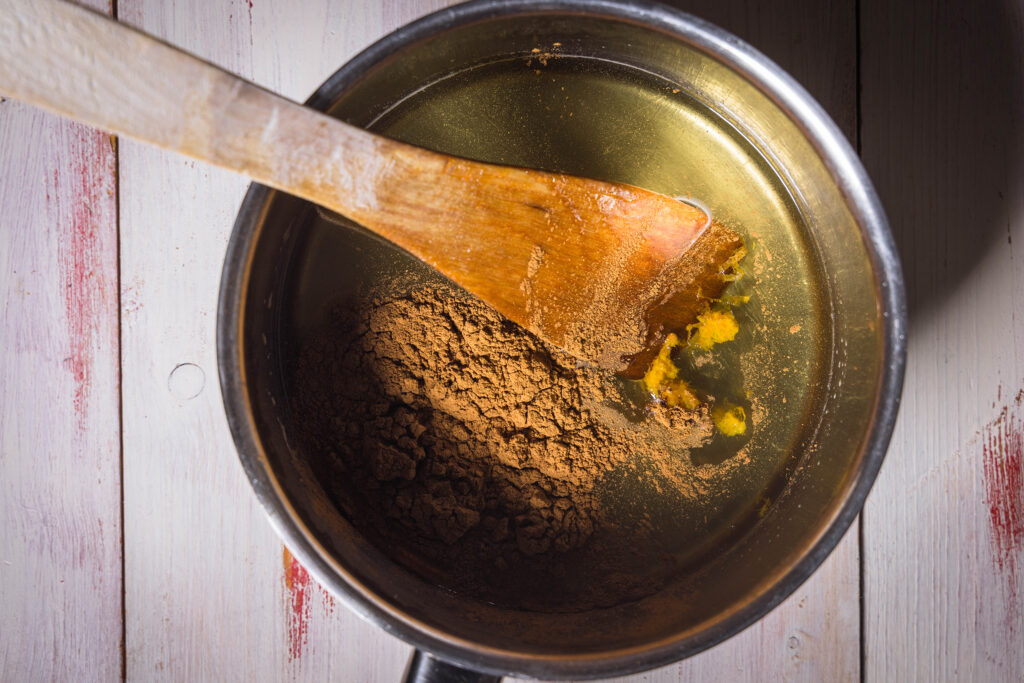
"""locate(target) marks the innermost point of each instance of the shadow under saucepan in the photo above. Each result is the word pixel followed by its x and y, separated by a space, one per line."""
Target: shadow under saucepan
pixel 941 113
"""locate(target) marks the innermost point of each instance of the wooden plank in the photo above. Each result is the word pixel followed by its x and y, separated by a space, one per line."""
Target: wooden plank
pixel 60 488
pixel 943 99
pixel 814 635
pixel 209 593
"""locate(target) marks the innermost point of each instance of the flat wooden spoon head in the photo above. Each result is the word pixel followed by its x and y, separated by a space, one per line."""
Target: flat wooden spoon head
pixel 603 270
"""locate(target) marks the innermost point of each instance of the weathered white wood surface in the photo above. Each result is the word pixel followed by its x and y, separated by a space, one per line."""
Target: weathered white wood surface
pixel 60 507
pixel 943 107
pixel 209 593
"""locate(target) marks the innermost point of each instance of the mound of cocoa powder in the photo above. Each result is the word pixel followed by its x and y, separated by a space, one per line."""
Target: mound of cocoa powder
pixel 475 454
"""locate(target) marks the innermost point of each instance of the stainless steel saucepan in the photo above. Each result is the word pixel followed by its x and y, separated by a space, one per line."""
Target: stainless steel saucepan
pixel 439 82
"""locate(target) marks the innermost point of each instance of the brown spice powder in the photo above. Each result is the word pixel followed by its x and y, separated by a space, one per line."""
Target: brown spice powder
pixel 474 453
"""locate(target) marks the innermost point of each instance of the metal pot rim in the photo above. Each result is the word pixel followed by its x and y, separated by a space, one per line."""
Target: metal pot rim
pixel 849 176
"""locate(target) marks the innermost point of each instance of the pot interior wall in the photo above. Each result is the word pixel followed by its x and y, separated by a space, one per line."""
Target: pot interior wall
pixel 482 91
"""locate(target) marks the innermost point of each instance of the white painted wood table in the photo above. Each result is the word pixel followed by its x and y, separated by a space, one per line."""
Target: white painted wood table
pixel 131 545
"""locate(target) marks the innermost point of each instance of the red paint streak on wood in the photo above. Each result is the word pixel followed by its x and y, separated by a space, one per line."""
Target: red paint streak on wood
pixel 1003 461
pixel 84 188
pixel 296 585
pixel 251 33
pixel 300 593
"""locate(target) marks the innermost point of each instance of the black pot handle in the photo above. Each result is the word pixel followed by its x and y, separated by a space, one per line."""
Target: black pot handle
pixel 425 668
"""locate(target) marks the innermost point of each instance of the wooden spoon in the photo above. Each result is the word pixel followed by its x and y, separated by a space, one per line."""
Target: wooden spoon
pixel 601 269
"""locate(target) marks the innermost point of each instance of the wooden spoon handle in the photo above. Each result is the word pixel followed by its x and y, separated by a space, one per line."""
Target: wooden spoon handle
pixel 586 264
pixel 77 63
